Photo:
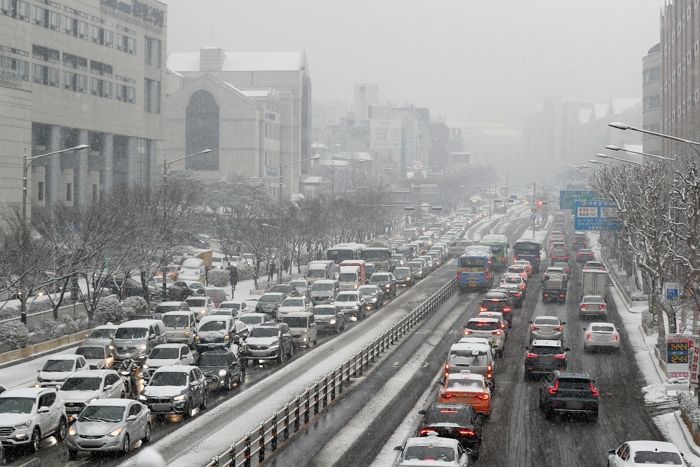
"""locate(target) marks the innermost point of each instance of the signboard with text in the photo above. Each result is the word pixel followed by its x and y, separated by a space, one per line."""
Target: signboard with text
pixel 597 214
pixel 677 355
pixel 694 357
pixel 567 198
pixel 672 291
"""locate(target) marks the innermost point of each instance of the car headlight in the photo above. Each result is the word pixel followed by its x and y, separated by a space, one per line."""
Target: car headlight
pixel 111 347
pixel 196 338
pixel 374 299
pixel 145 366
pixel 26 424
pixel 227 338
pixel 116 432
pixel 71 431
pixel 202 311
pixel 142 347
pixel 222 372
pixel 179 398
pixel 142 397
pixel 332 321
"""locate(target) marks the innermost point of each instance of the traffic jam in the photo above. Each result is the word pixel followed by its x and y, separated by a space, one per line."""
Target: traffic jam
pixel 124 381
pixel 451 427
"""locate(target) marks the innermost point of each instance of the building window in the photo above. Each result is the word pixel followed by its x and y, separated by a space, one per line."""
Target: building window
pixel 151 96
pixel 40 16
pixel 126 44
pixel 82 29
pixel 101 68
pixel 152 51
pixel 14 68
pixel 73 61
pixel 54 21
pixel 23 10
pixel 46 75
pixel 70 26
pixel 40 191
pixel 125 93
pixel 6 7
pixel 108 38
pixel 202 131
pixel 46 54
pixel 69 192
pixel 97 34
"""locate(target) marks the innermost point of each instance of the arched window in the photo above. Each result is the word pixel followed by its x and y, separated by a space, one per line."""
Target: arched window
pixel 202 131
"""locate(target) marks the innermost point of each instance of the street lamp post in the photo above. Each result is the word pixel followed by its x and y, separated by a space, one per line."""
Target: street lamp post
pixel 612 147
pixel 623 126
pixel 606 156
pixel 26 165
pixel 166 165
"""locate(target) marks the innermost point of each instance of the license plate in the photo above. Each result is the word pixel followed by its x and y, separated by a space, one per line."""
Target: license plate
pixel 576 405
pixel 161 407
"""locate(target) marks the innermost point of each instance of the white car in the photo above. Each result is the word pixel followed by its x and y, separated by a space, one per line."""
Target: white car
pixel 432 450
pixel 58 368
pixel 238 306
pixel 600 336
pixel 167 355
pixel 97 356
pixel 28 415
pixel 200 305
pixel 489 328
pixel 645 453
pixel 85 386
pixel 294 305
pixel 253 319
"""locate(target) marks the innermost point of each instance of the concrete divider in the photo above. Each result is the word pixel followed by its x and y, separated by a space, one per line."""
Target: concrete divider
pixel 42 348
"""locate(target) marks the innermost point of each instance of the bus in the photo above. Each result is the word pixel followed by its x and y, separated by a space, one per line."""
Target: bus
pixel 378 254
pixel 529 250
pixel 343 251
pixel 475 271
pixel 500 248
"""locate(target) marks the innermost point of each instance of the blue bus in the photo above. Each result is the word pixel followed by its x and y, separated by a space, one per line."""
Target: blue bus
pixel 475 271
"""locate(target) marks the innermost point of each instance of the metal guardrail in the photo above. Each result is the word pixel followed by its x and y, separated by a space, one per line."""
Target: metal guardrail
pixel 286 422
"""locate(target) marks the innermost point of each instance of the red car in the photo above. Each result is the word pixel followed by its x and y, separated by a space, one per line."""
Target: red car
pixel 559 254
pixel 584 255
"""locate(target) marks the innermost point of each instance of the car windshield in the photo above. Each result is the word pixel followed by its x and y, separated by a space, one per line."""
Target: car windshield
pixel 91 352
pixel 284 288
pixel 58 365
pixel 216 294
pixel 465 384
pixel 324 311
pixel 516 269
pixel 429 452
pixel 547 321
pixel 657 457
pixel 218 325
pixel 264 332
pixel 575 384
pixel 101 334
pixel 379 278
pixel 593 299
pixel 80 383
pixel 298 284
pixel 212 359
pixel 483 325
pixel 165 353
pixel 467 357
pixel 546 350
pixel 224 312
pixel 347 277
pixel 316 273
pixel 293 302
pixel 472 262
pixel 104 413
pixel 251 319
pixel 175 321
pixel 454 414
pixel 295 321
pixel 371 290
pixel 167 308
pixel 16 405
pixel 561 265
pixel 602 328
pixel 197 302
pixel 400 273
pixel 131 333
pixel 527 248
pixel 512 279
pixel 322 287
pixel 346 298
pixel 168 378
pixel 271 298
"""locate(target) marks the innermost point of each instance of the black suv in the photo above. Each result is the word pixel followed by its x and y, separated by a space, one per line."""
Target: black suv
pixel 456 421
pixel 569 393
pixel 287 289
pixel 499 302
pixel 222 369
pixel 386 281
pixel 544 356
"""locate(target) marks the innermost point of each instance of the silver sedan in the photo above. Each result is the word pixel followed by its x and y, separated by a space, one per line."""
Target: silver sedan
pixel 547 327
pixel 601 336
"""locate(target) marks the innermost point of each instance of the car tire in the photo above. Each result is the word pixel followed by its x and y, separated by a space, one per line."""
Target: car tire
pixel 189 410
pixel 229 383
pixel 35 441
pixel 147 435
pixel 61 430
pixel 291 352
pixel 203 405
pixel 126 445
pixel 72 454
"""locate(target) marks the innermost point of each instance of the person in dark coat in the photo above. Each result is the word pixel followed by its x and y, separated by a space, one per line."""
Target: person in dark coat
pixel 286 265
pixel 271 271
pixel 233 278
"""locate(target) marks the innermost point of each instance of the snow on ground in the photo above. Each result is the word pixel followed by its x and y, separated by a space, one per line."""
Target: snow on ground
pixel 24 374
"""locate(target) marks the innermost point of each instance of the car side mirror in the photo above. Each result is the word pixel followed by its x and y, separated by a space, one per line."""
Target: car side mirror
pixel 43 410
pixel 131 418
pixel 421 412
pixel 398 448
pixel 611 451
pixel 566 349
pixel 108 387
pixel 563 322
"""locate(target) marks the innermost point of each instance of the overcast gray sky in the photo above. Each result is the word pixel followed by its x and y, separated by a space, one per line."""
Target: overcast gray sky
pixel 485 60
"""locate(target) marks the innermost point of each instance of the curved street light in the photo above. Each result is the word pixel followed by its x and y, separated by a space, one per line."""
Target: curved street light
pixel 606 156
pixel 612 147
pixel 624 127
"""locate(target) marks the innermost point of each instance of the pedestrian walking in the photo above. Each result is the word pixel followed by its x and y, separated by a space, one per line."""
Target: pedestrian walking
pixel 233 278
pixel 271 271
pixel 286 264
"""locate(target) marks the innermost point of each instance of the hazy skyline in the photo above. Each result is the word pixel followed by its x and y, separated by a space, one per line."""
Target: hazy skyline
pixel 465 60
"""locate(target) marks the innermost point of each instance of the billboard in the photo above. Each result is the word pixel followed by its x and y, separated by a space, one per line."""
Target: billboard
pixel 568 197
pixel 597 214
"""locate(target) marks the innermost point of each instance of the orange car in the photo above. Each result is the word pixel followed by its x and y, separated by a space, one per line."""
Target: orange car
pixel 466 388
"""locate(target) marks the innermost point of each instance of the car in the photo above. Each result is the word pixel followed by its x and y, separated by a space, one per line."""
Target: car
pixel 59 367
pixel 109 425
pixel 555 270
pixel 329 319
pixel 176 389
pixel 165 307
pixel 595 265
pixel 601 336
pixel 476 357
pixel 403 275
pixel 101 335
pixel 217 295
pixel 269 342
pixel 85 386
pixel 215 332
pixel 546 327
pixel 496 315
pixel 516 287
pixel 584 254
pixel 563 265
pixel 352 303
pixel 130 287
pixel 202 306
pixel 287 289
pixel 569 393
pixel 526 264
pixel 644 452
pixel 270 302
pixel 234 305
pixel 180 326
pixel 429 262
pixel 432 450
pixel 302 328
pixel 558 253
pixel 543 356
pixel 167 355
pixel 28 415
pixel 324 291
pixel 294 305
pixel 386 281
pixel 180 290
pixel 136 338
pixel 456 421
pixel 301 285
pixel 518 269
pixel 373 295
pixel 466 388
pixel 593 306
pixel 253 319
pixel 580 240
pixel 418 269
pixel 489 328
pixel 222 369
pixel 96 356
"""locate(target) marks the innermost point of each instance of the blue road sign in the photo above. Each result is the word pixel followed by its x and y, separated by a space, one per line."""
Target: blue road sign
pixel 597 214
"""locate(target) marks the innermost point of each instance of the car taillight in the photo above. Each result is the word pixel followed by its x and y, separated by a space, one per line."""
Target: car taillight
pixel 553 391
pixel 531 355
pixel 589 336
pixel 448 395
pixel 602 306
pixel 483 308
pixel 489 368
pixel 559 328
pixel 425 431
pixel 503 325
pixel 497 332
pixel 560 356
pixel 584 306
pixel 467 332
pixel 594 390
pixel 545 294
pixel 483 397
pixel 464 432
pixel 507 309
pixel 616 336
pixel 533 328
pixel 522 286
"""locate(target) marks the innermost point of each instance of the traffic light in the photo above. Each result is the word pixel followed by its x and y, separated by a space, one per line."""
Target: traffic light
pixel 540 203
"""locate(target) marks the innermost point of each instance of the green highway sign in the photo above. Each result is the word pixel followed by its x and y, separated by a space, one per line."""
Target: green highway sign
pixel 567 198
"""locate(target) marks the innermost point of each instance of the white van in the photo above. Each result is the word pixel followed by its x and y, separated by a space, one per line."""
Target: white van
pixel 349 278
pixel 320 270
pixel 192 270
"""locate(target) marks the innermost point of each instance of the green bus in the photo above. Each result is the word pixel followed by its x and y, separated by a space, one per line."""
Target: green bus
pixel 501 250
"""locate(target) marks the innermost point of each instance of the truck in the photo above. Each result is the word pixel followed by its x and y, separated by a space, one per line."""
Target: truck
pixel 554 288
pixel 594 282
